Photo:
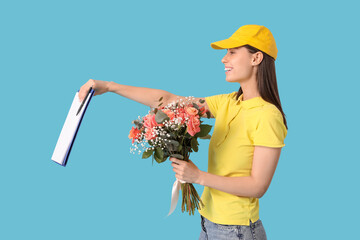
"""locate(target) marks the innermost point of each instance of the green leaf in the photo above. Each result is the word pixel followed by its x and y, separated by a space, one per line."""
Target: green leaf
pixel 160 99
pixel 159 152
pixel 147 153
pixel 138 124
pixel 195 106
pixel 172 145
pixel 172 135
pixel 157 159
pixel 187 149
pixel 187 135
pixel 194 144
pixel 166 155
pixel 160 117
pixel 204 130
pixel 206 137
pixel 208 115
pixel 201 101
pixel 159 155
pixel 178 156
pixel 173 142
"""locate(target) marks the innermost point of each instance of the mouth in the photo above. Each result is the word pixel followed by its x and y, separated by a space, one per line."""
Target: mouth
pixel 227 69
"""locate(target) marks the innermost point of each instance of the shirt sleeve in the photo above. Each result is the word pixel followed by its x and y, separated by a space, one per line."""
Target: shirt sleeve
pixel 216 101
pixel 271 130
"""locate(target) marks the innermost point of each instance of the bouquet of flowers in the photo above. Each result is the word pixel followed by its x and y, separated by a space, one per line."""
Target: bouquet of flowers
pixel 172 131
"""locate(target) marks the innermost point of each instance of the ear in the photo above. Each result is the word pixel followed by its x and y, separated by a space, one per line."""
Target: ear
pixel 257 58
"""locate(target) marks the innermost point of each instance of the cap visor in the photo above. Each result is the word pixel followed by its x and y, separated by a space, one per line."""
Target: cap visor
pixel 227 43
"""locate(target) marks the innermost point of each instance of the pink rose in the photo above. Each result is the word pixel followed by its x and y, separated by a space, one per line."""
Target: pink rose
pixel 149 121
pixel 149 134
pixel 181 110
pixel 191 111
pixel 181 114
pixel 193 125
pixel 169 113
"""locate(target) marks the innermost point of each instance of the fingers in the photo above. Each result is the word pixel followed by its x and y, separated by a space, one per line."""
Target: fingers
pixel 179 162
pixel 174 160
pixel 85 89
pixel 185 171
pixel 176 164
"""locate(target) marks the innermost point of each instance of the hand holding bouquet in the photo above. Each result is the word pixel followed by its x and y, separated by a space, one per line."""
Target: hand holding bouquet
pixel 172 131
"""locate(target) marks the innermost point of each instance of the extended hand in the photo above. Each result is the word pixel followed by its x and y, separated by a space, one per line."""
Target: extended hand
pixel 99 86
pixel 186 171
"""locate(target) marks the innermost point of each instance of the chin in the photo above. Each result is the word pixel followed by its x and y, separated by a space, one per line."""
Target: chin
pixel 231 80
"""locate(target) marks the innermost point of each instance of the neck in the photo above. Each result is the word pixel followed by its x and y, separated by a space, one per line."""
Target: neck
pixel 250 90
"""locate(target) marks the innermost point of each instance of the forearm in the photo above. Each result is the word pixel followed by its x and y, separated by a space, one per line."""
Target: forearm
pixel 147 96
pixel 239 186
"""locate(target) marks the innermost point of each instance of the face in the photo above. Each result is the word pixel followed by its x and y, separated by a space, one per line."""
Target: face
pixel 238 64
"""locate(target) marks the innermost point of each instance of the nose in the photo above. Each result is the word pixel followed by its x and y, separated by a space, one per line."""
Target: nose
pixel 224 59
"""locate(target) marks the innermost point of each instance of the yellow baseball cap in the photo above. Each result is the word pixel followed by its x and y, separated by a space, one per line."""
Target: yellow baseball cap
pixel 254 35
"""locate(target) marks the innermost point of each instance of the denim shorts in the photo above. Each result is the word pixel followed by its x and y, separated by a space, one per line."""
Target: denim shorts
pixel 215 231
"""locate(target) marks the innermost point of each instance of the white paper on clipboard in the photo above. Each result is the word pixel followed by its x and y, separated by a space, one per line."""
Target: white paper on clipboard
pixel 70 129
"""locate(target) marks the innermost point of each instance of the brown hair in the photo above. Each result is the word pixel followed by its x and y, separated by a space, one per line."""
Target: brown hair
pixel 266 81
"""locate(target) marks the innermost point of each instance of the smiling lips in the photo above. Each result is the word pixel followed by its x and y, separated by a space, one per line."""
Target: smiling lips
pixel 227 69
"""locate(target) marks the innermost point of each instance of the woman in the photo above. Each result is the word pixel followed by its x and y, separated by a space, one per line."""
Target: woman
pixel 249 133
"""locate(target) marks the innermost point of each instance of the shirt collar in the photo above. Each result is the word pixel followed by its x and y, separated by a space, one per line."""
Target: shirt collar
pixel 250 103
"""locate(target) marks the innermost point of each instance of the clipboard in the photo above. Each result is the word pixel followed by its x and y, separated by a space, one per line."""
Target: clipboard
pixel 70 129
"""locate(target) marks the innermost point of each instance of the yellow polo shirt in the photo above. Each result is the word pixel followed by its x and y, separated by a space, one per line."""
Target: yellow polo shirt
pixel 239 126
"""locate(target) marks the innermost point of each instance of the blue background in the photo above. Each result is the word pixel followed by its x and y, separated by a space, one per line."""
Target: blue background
pixel 49 49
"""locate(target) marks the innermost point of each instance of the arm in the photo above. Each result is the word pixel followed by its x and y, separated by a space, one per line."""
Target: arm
pixel 147 96
pixel 264 164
